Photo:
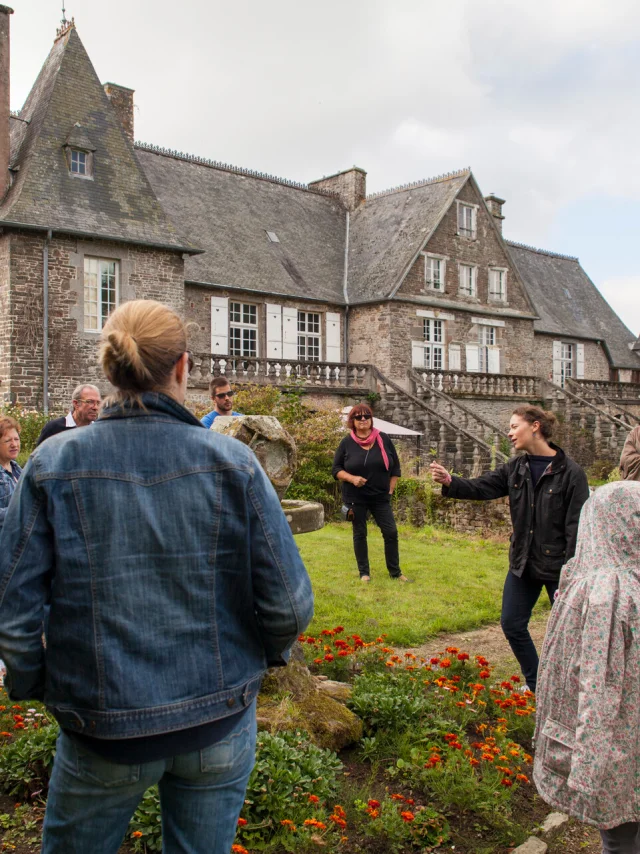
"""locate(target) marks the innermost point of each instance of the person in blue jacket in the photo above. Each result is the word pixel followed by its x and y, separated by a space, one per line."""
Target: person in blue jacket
pixel 222 397
pixel 174 582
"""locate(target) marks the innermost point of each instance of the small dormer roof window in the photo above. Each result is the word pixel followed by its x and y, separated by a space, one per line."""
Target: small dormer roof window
pixel 79 151
pixel 79 162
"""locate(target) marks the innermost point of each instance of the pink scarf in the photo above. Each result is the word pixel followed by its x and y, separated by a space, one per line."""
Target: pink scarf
pixel 374 436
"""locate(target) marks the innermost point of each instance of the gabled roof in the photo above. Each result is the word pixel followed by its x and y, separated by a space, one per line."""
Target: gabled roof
pixel 390 228
pixel 569 304
pixel 229 211
pixel 67 103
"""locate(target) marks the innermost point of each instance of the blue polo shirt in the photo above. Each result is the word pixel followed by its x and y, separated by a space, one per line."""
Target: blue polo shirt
pixel 210 417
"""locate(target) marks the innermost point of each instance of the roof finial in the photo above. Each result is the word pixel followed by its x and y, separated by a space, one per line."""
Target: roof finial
pixel 65 25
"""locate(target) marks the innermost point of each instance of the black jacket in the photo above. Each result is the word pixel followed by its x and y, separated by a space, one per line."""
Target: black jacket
pixel 51 428
pixel 545 519
pixel 350 457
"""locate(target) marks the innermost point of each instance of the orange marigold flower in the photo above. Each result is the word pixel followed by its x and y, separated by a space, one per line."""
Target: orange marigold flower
pixel 343 652
pixel 488 757
pixel 338 810
pixel 288 823
pixel 327 633
pixel 482 661
pixel 317 661
pixel 311 640
pixel 434 661
pixel 474 762
pixel 455 678
pixel 506 782
pixel 463 656
pixel 515 678
pixel 136 834
pixel 239 849
pixel 6 734
pixel 344 839
pixel 484 674
pixel 340 822
pixel 409 801
pixel 19 725
pixel 445 662
pixel 407 816
pixel 373 804
pixel 313 822
pixel 2 708
pixel 314 799
pixel 390 664
pixel 397 797
pixel 506 685
pixel 19 708
pixel 528 758
pixel 523 713
pixel 328 657
pixel 522 778
pixel 450 736
pixel 242 822
pixel 452 649
pixel 338 629
pixel 373 813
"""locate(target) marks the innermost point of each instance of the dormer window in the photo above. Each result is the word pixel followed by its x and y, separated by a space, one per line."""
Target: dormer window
pixel 78 151
pixel 79 164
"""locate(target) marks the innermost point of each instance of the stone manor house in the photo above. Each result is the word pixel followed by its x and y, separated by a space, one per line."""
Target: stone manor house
pixel 412 296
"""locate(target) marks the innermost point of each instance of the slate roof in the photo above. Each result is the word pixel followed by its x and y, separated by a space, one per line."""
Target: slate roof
pixel 389 229
pixel 67 102
pixel 569 304
pixel 228 213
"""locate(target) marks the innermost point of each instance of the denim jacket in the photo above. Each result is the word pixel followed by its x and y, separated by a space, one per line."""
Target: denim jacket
pixel 171 572
pixel 8 483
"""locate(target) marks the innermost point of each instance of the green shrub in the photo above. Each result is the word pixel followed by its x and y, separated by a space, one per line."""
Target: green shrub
pixel 389 701
pixel 397 823
pixel 25 763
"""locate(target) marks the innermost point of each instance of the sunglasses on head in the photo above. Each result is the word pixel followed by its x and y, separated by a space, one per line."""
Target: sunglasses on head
pixel 224 394
pixel 361 417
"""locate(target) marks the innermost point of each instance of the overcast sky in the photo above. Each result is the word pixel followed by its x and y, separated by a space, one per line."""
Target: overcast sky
pixel 539 99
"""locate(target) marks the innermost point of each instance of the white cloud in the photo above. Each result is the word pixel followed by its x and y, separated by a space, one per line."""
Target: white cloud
pixel 623 295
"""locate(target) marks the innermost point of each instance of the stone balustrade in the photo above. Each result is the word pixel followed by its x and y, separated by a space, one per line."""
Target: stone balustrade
pixel 620 391
pixel 483 385
pixel 337 375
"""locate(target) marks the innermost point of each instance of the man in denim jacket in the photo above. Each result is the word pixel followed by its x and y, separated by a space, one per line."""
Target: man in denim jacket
pixel 174 583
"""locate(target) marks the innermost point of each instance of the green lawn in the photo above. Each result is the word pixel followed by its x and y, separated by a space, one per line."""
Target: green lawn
pixel 458 583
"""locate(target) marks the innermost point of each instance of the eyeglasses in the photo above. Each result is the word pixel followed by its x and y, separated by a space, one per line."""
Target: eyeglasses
pixel 224 394
pixel 361 417
pixel 95 403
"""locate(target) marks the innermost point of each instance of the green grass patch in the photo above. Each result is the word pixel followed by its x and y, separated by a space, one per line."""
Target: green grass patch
pixel 458 583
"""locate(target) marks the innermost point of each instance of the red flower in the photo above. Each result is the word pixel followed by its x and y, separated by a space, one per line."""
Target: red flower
pixel 340 822
pixel 452 649
pixel 445 662
pixel 373 812
pixel 463 656
pixel 434 661
pixel 515 678
pixel 407 816
pixel 373 804
pixel 242 822
pixel 328 657
pixel 397 797
pixel 482 661
pixel 314 799
pixel 338 629
pixel 239 849
pixel 484 674
pixel 506 782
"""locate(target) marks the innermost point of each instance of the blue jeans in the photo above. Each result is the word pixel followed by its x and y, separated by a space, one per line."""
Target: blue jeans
pixel 518 599
pixel 91 799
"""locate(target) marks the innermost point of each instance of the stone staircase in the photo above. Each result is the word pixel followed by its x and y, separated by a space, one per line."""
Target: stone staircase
pixel 587 431
pixel 614 398
pixel 451 433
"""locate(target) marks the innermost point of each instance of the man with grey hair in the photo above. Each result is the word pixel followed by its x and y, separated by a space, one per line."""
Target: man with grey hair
pixel 85 405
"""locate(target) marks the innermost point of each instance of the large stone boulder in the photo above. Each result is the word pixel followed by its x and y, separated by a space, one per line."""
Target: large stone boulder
pixel 267 438
pixel 291 698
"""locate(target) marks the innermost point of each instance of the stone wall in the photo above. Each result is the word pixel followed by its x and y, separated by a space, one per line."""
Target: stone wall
pixel 6 322
pixel 483 518
pixel 73 353
pixel 370 336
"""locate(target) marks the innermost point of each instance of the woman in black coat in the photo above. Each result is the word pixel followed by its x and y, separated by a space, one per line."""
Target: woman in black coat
pixel 546 490
pixel 367 464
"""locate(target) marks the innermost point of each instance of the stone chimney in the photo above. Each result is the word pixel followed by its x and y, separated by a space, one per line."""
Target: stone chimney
pixel 122 102
pixel 350 186
pixel 5 103
pixel 495 209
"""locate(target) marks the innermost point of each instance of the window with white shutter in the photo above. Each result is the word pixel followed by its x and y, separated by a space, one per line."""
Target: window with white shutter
pixel 334 342
pixel 243 329
pixel 274 331
pixel 308 336
pixel 472 357
pixel 580 361
pixel 219 326
pixel 289 333
pixel 467 275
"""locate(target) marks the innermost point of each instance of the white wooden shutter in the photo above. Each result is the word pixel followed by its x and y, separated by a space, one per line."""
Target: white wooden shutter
pixel 454 357
pixel 557 367
pixel 417 354
pixel 493 360
pixel 473 357
pixel 580 361
pixel 289 333
pixel 274 331
pixel 219 326
pixel 334 348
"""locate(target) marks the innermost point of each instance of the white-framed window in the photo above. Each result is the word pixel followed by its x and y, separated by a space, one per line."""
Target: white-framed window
pixel 308 336
pixel 429 352
pixel 434 271
pixel 568 361
pixel 243 329
pixel 567 358
pixel 467 220
pixel 486 339
pixel 101 290
pixel 468 278
pixel 79 162
pixel 497 284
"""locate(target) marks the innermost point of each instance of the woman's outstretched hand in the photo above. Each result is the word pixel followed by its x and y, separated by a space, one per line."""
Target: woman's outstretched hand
pixel 440 474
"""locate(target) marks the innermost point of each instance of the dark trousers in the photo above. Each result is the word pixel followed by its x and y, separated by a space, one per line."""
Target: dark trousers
pixel 624 839
pixel 518 599
pixel 383 514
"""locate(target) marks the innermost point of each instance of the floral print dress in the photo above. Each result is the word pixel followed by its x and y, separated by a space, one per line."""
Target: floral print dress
pixel 587 739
